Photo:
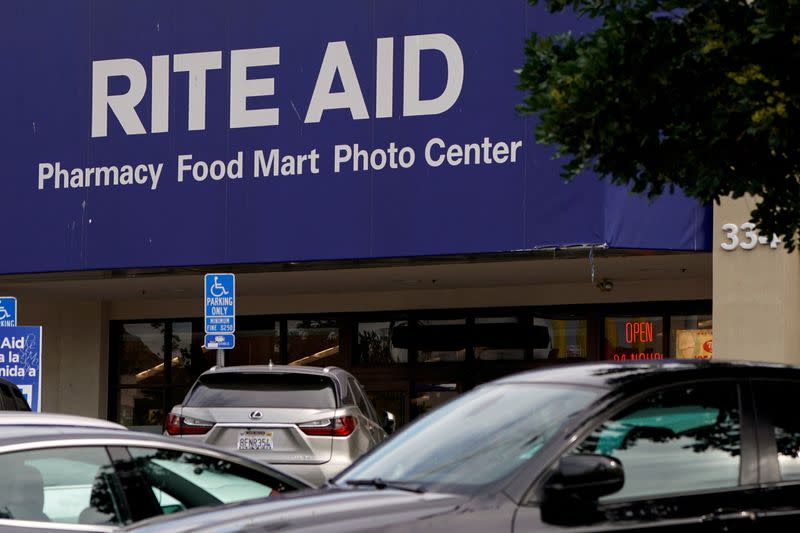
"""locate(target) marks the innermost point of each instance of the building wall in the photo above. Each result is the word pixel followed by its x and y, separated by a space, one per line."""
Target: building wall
pixel 756 296
pixel 74 354
pixel 551 294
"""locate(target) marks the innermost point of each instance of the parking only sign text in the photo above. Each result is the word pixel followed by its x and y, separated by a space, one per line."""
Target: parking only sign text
pixel 21 361
pixel 220 302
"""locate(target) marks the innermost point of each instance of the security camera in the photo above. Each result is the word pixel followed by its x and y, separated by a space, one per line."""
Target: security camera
pixel 605 285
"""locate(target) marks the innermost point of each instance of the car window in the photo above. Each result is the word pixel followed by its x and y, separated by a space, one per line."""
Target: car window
pixel 475 439
pixel 263 390
pixel 372 412
pixel 67 485
pixel 681 439
pixel 181 480
pixel 361 400
pixel 775 406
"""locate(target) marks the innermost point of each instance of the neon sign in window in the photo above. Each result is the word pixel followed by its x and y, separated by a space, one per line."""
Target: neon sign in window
pixel 634 338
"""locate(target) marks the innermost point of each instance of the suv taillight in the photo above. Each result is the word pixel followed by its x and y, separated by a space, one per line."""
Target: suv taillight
pixel 183 425
pixel 330 427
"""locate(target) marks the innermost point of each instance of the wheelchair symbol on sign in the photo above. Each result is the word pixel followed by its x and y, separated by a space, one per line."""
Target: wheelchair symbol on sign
pixel 217 289
pixel 3 313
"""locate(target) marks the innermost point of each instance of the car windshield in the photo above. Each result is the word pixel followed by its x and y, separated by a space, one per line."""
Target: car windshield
pixel 474 440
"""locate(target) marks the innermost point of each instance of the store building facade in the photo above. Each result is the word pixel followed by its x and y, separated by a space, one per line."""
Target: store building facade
pixel 362 169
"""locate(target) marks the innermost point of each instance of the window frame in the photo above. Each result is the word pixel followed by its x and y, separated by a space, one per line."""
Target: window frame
pixel 748 465
pixel 124 511
pixel 274 487
pixel 769 466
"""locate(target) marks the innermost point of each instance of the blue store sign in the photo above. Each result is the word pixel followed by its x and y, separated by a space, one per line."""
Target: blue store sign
pixel 309 131
pixel 21 361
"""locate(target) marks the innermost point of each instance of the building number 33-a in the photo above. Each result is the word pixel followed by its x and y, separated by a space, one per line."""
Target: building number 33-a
pixel 746 237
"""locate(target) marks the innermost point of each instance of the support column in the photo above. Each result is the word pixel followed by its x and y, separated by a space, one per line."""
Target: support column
pixel 756 294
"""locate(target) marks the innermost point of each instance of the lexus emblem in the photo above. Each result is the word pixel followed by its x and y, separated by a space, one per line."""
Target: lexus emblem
pixel 255 415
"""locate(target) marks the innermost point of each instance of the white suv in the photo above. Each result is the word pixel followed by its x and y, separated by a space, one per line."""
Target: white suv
pixel 313 422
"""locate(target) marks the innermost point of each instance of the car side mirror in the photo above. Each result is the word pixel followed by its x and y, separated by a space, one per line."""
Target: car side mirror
pixel 571 494
pixel 389 423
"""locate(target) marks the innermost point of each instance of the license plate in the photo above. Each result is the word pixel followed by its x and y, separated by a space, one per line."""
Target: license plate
pixel 254 441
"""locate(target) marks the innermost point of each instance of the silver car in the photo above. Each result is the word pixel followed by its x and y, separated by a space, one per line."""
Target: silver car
pixel 73 474
pixel 313 422
pixel 54 420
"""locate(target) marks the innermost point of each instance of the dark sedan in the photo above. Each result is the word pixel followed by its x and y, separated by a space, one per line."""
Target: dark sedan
pixel 656 446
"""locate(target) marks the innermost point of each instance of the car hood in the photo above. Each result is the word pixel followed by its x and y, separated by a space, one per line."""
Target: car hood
pixel 357 509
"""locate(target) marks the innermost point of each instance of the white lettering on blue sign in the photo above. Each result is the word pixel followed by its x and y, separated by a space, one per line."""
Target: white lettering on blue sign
pixel 220 303
pixel 21 359
pixel 337 62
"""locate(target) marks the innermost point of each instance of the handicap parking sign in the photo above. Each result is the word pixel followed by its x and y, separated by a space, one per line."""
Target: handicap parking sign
pixel 8 311
pixel 220 304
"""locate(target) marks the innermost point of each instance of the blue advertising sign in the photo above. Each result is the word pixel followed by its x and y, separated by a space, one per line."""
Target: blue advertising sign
pixel 220 303
pixel 8 311
pixel 306 130
pixel 21 361
pixel 220 341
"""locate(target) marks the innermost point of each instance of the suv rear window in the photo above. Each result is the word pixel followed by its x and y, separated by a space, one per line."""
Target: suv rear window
pixel 263 390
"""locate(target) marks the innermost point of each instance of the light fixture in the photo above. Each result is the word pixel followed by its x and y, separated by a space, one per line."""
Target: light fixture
pixel 605 285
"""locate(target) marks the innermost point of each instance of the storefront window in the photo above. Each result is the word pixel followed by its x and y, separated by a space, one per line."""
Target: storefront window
pixel 393 401
pixel 186 365
pixel 429 396
pixel 154 363
pixel 376 344
pixel 500 338
pixel 440 340
pixel 141 354
pixel 147 382
pixel 565 338
pixel 257 343
pixel 314 343
pixel 633 338
pixel 141 409
pixel 691 337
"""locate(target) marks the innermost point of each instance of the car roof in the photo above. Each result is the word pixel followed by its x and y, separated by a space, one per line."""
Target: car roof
pixel 613 375
pixel 12 434
pixel 275 369
pixel 25 437
pixel 26 418
pixel 4 381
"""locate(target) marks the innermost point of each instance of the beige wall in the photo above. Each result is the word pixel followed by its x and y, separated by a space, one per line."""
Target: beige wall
pixel 756 295
pixel 550 294
pixel 75 354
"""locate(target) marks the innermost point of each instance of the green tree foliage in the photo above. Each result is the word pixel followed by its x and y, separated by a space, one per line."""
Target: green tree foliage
pixel 700 94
